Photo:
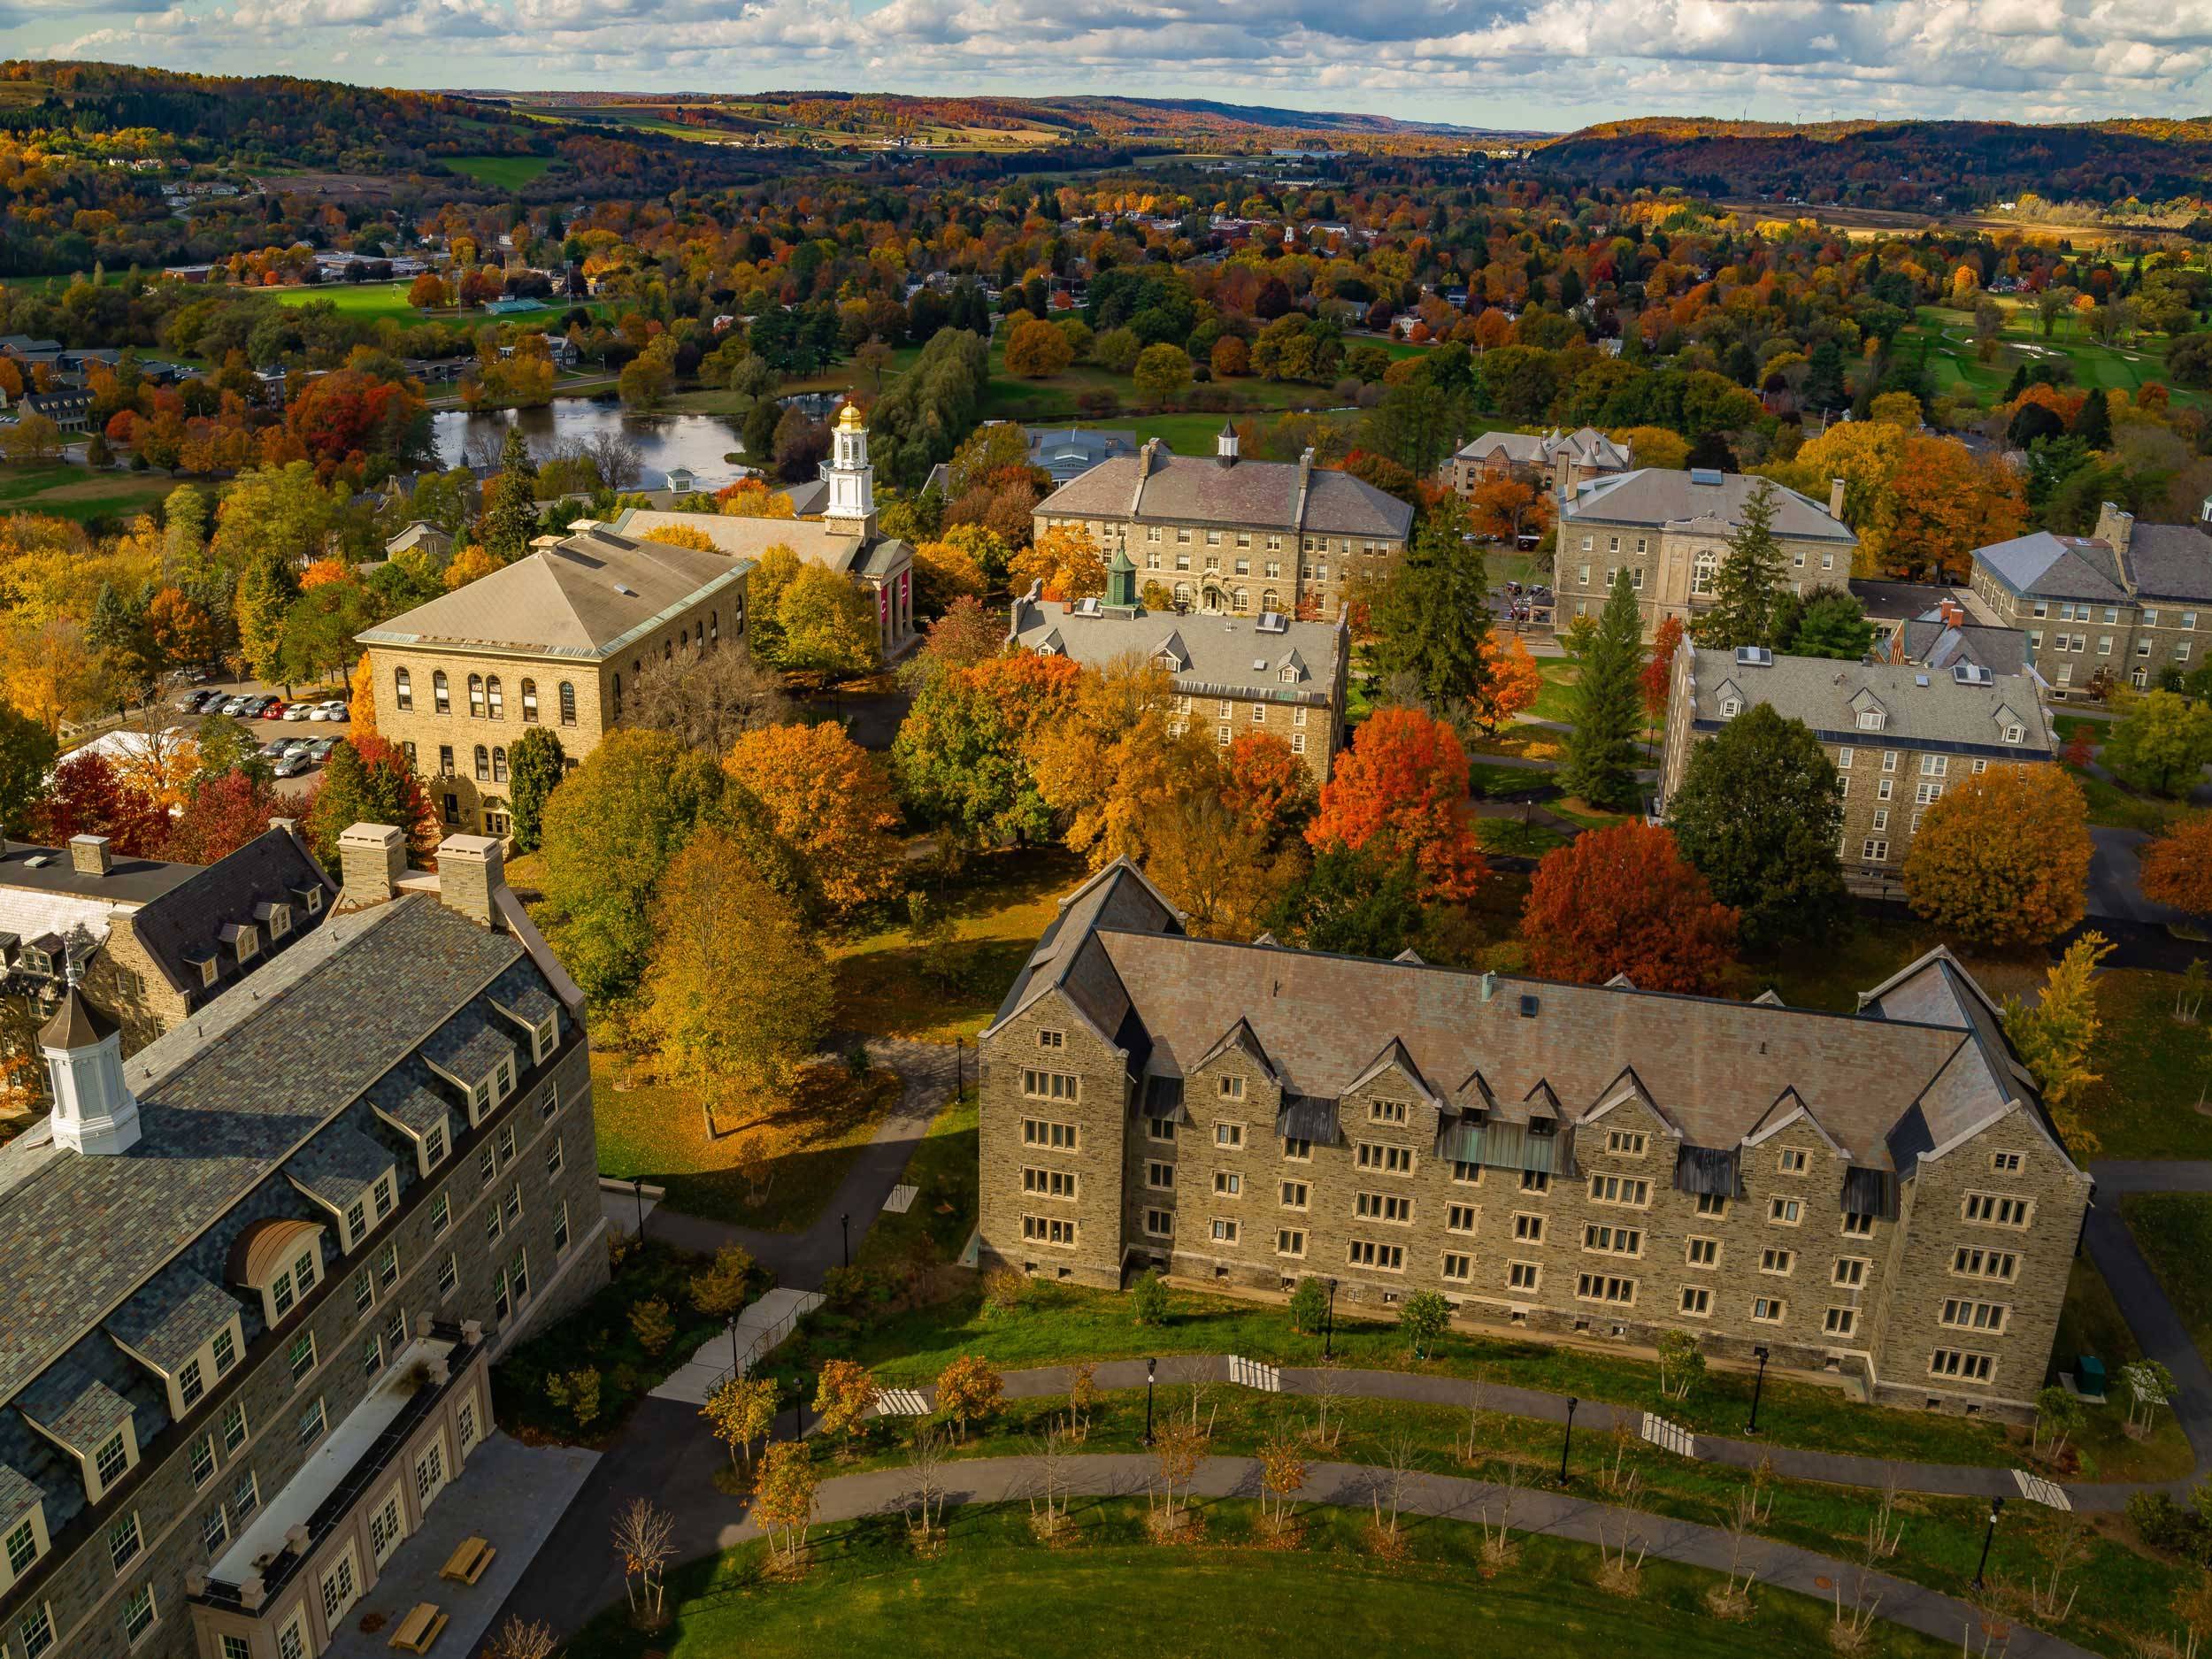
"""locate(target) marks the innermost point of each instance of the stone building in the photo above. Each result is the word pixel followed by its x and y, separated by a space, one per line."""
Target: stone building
pixel 1552 461
pixel 252 1279
pixel 1877 1196
pixel 1898 734
pixel 1670 530
pixel 835 527
pixel 1233 536
pixel 552 640
pixel 1266 674
pixel 2119 606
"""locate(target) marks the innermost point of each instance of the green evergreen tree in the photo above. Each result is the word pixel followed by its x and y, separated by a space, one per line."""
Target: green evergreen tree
pixel 26 754
pixel 1746 584
pixel 2093 424
pixel 1602 753
pixel 534 769
pixel 510 505
pixel 1433 616
pixel 1758 813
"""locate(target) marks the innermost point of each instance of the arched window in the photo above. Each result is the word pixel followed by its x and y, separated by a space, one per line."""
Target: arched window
pixel 499 698
pixel 683 638
pixel 1182 595
pixel 440 695
pixel 530 702
pixel 499 765
pixel 1242 599
pixel 668 649
pixel 714 628
pixel 618 698
pixel 737 616
pixel 476 696
pixel 403 688
pixel 483 764
pixel 1270 601
pixel 568 700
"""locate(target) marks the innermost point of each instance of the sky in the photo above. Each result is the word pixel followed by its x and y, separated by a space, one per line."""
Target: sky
pixel 1510 64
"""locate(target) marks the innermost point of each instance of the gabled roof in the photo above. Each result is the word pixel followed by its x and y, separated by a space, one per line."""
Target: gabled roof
pixel 273 868
pixel 337 1165
pixel 1654 496
pixel 1241 1038
pixel 2058 567
pixel 1393 1057
pixel 1258 492
pixel 172 1319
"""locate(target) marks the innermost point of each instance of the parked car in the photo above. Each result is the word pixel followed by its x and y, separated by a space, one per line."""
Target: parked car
pixel 300 712
pixel 336 710
pixel 273 751
pixel 321 747
pixel 293 763
pixel 273 709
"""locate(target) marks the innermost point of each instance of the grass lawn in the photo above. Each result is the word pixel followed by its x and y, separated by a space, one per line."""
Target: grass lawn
pixel 1556 700
pixel 1193 434
pixel 365 301
pixel 2091 1323
pixel 1834 975
pixel 1105 1591
pixel 2175 1232
pixel 2153 1070
pixel 1511 836
pixel 2114 807
pixel 658 1131
pixel 936 1225
pixel 1956 370
pixel 502 172
pixel 1499 781
pixel 73 492
pixel 999 906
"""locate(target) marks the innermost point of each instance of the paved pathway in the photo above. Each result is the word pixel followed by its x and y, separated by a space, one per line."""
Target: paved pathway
pixel 760 1325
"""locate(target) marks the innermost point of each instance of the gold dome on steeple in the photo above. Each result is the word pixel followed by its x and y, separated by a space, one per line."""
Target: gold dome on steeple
pixel 850 421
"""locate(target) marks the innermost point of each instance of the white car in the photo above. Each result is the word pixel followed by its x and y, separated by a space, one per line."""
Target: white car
pixel 335 710
pixel 299 712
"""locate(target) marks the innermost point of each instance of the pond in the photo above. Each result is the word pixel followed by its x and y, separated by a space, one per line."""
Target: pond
pixel 696 441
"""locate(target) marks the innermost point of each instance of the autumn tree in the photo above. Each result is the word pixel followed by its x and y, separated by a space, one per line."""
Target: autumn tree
pixel 829 798
pixel 1511 683
pixel 1658 673
pixel 2002 858
pixel 1500 507
pixel 2161 744
pixel 966 634
pixel 1623 900
pixel 1748 579
pixel 1758 812
pixel 738 993
pixel 785 1499
pixel 220 815
pixel 1066 560
pixel 1037 350
pixel 1401 791
pixel 1269 785
pixel 1110 756
pixel 26 754
pixel 844 1393
pixel 961 758
pixel 1162 372
pixel 1216 865
pixel 826 624
pixel 945 573
pixel 367 780
pixel 709 701
pixel 1608 706
pixel 88 794
pixel 2177 865
pixel 970 1387
pixel 741 1411
pixel 2057 1036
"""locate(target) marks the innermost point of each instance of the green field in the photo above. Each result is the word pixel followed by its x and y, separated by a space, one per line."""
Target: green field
pixel 367 301
pixel 2152 1069
pixel 503 173
pixel 71 492
pixel 2175 1232
pixel 1954 369
pixel 1107 1593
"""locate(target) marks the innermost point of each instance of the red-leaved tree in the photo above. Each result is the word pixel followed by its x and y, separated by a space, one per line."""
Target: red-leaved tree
pixel 1660 669
pixel 89 796
pixel 1623 900
pixel 2177 867
pixel 1402 786
pixel 1268 786
pixel 220 815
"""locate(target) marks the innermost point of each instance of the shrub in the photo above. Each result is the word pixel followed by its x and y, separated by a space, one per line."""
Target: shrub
pixel 719 1291
pixel 2164 1524
pixel 1004 1288
pixel 1422 1318
pixel 655 1330
pixel 1309 1306
pixel 1148 1298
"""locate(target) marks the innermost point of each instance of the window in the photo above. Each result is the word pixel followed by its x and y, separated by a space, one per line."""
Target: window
pixel 35 1630
pixel 1224 1231
pixel 1367 1253
pixel 1158 1223
pixel 1231 1088
pixel 301 1357
pixel 1790 1163
pixel 372 1355
pixel 1158 1175
pixel 1776 1260
pixel 1702 1253
pixel 1604 1287
pixel 1970 1262
pixel 1385 1112
pixel 310 1423
pixel 1524 1276
pixel 1390 1160
pixel 403 689
pixel 1467 1174
pixel 138 1614
pixel 1994 1210
pixel 560 1231
pixel 110 1461
pixel 190 1385
pixel 338 1591
pixel 1785 1212
pixel 1850 1271
pixel 1619 1189
pixel 1712 1204
pixel 1840 1321
pixel 1048 1085
pixel 1226 1134
pixel 1291 1195
pixel 363 1290
pixel 1536 1180
pixel 497 699
pixel 1697 1300
pixel 1529 1228
pixel 1950 1362
pixel 449 1275
pixel 483 764
pixel 1057 1137
pixel 1628 1142
pixel 234 1426
pixel 214 1529
pixel 1857 1224
pixel 125 1541
pixel 1050 1183
pixel 476 696
pixel 1460 1218
pixel 568 703
pixel 1768 1310
pixel 245 1496
pixel 1297 1149
pixel 1290 1242
pixel 1048 1230
pixel 1964 1315
pixel 2006 1163
pixel 202 1456
pixel 441 695
pixel 1383 1207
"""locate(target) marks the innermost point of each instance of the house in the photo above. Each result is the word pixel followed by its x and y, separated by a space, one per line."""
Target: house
pixel 1554 460
pixel 1068 452
pixel 1669 530
pixel 1229 536
pixel 561 630
pixel 1233 674
pixel 434 541
pixel 70 410
pixel 1877 1199
pixel 2118 605
pixel 1898 734
pixel 253 1278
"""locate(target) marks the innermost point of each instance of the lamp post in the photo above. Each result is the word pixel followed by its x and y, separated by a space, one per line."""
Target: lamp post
pixel 1151 1365
pixel 637 1185
pixel 1328 1328
pixel 1567 1445
pixel 735 1366
pixel 845 1237
pixel 1996 1507
pixel 1758 1388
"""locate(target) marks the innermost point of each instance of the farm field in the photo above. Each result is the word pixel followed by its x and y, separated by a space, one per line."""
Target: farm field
pixel 505 172
pixel 1955 369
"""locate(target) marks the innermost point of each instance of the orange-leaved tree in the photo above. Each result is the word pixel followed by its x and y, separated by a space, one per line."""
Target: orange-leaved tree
pixel 1623 900
pixel 2177 867
pixel 1402 788
pixel 829 798
pixel 1065 560
pixel 1270 788
pixel 2002 858
pixel 1660 669
pixel 1950 502
pixel 1511 682
pixel 1112 755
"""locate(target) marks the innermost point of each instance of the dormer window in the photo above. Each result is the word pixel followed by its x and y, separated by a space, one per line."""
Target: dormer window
pixel 280 1258
pixel 380 1195
pixel 541 1039
pixel 503 1081
pixel 1289 676
pixel 1870 720
pixel 2013 735
pixel 432 1149
pixel 112 1460
pixel 207 971
pixel 357 1223
pixel 279 920
pixel 1731 708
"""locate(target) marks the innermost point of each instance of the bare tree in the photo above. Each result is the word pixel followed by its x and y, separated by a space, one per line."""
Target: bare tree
pixel 1177 1451
pixel 1282 1477
pixel 1048 1458
pixel 1989 1634
pixel 520 1639
pixel 1498 1548
pixel 644 1538
pixel 1885 1531
pixel 1478 1418
pixel 1848 1630
pixel 1732 1598
pixel 2069 1551
pixel 1761 1490
pixel 618 460
pixel 1328 1397
pixel 1401 1460
pixel 1082 1399
pixel 710 700
pixel 926 1503
pixel 1617 1474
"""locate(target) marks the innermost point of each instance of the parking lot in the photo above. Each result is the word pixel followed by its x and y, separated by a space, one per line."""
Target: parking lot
pixel 295 737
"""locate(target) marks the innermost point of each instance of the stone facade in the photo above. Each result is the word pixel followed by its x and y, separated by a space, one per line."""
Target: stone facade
pixel 219 1524
pixel 1834 1222
pixel 1554 462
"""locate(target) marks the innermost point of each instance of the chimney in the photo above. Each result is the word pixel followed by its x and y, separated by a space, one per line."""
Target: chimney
pixel 471 873
pixel 1149 458
pixel 372 858
pixel 289 825
pixel 90 855
pixel 2118 529
pixel 1835 499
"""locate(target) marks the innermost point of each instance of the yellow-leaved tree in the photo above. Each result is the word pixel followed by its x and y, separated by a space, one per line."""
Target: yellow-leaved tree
pixel 2057 1037
pixel 829 798
pixel 1108 760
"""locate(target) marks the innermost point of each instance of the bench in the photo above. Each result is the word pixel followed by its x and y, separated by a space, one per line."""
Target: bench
pixel 420 1628
pixel 469 1562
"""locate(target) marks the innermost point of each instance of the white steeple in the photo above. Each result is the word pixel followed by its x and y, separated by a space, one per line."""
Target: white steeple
pixel 851 508
pixel 95 1111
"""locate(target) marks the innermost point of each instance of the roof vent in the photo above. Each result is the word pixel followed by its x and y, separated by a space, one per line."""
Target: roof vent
pixel 627 592
pixel 1753 657
pixel 1259 665
pixel 1087 606
pixel 1706 475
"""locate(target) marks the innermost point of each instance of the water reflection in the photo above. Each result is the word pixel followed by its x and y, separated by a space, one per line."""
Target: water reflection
pixel 699 442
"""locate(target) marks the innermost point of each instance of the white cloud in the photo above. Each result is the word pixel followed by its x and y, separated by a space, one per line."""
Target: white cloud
pixel 1492 63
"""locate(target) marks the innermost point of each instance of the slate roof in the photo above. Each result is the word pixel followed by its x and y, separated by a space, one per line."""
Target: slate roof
pixel 129 881
pixel 2170 561
pixel 1586 446
pixel 525 999
pixel 224 1100
pixel 18 1497
pixel 1217 655
pixel 748 538
pixel 412 1106
pixel 584 597
pixel 1933 643
pixel 1181 488
pixel 1825 694
pixel 1897 602
pixel 337 1165
pixel 1654 496
pixel 1713 1068
pixel 173 1317
pixel 273 868
pixel 468 1046
pixel 2049 566
pixel 74 1406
